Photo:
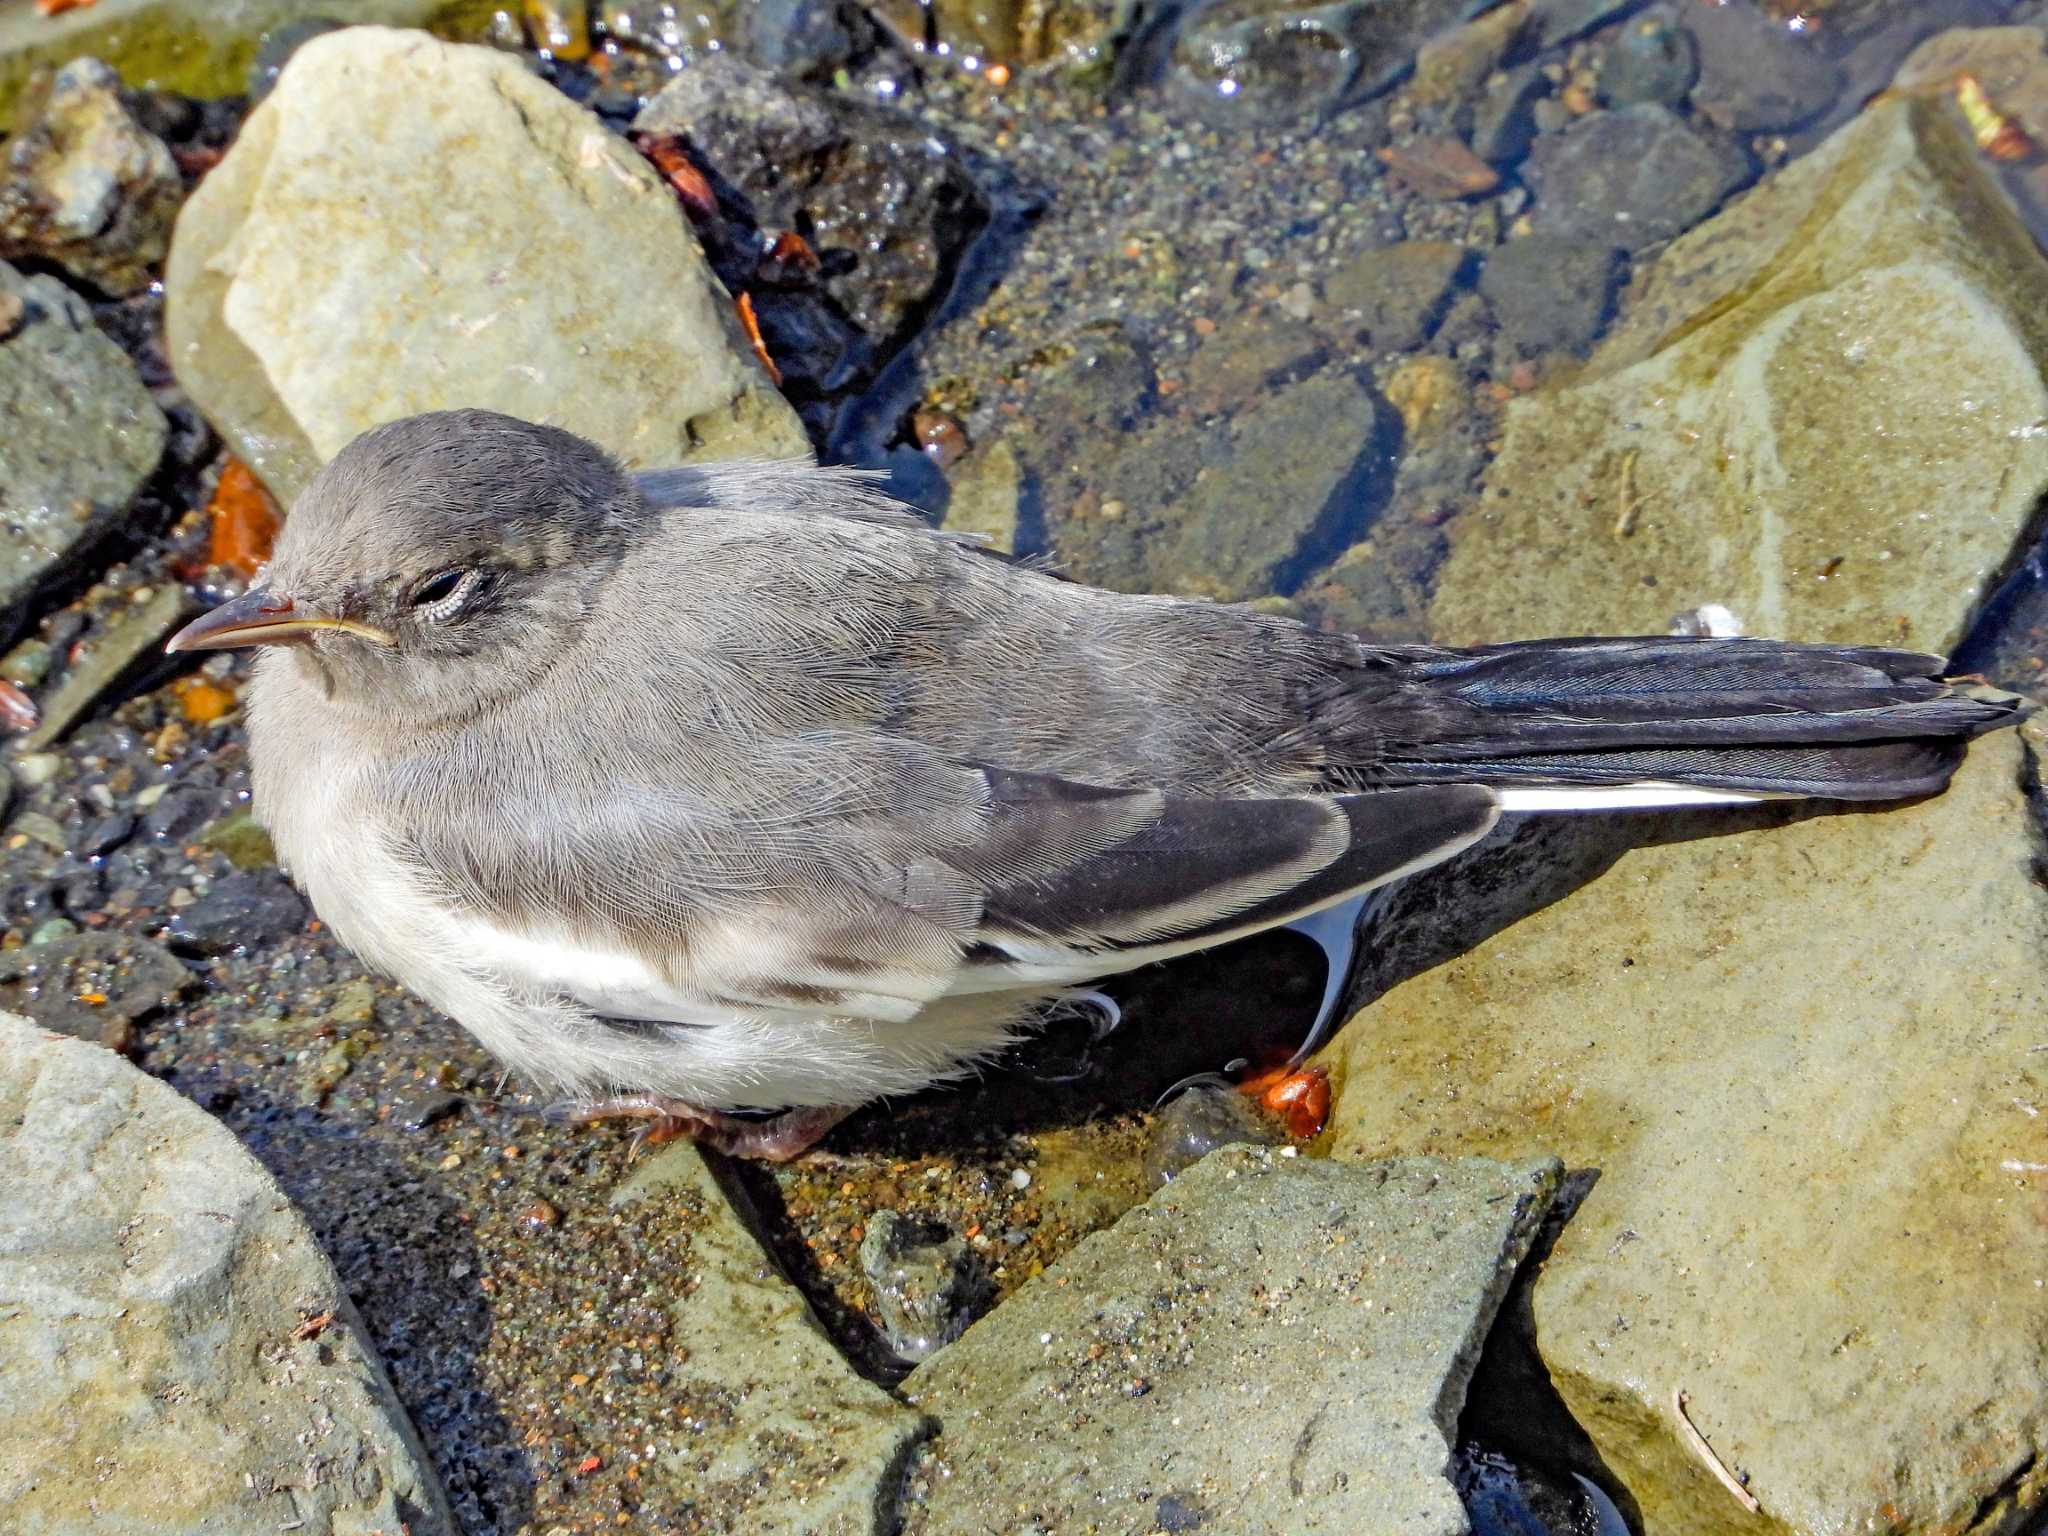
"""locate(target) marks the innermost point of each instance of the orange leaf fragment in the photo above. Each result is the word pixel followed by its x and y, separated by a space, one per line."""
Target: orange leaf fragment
pixel 203 701
pixel 245 520
pixel 1996 134
pixel 588 1465
pixel 59 7
pixel 745 305
pixel 1299 1100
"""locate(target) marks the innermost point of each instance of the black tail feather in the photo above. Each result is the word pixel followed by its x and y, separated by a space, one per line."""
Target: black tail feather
pixel 1756 716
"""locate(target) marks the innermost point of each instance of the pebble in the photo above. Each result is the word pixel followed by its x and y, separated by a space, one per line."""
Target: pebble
pixel 1551 292
pixel 36 769
pixel 249 907
pixel 1651 60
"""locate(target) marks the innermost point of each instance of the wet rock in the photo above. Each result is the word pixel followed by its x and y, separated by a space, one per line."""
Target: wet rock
pixel 1756 74
pixel 1801 1049
pixel 1453 65
pixel 1070 33
pixel 179 1355
pixel 885 207
pixel 1442 169
pixel 923 1282
pixel 1268 1343
pixel 798 1442
pixel 1194 1123
pixel 276 50
pixel 1652 59
pixel 1256 351
pixel 1560 21
pixel 1550 291
pixel 1504 122
pixel 1167 509
pixel 93 986
pixel 104 657
pixel 1307 55
pixel 984 496
pixel 1398 293
pixel 241 840
pixel 1825 423
pixel 798 37
pixel 79 434
pixel 1631 177
pixel 2010 63
pixel 464 173
pixel 242 910
pixel 194 47
pixel 86 186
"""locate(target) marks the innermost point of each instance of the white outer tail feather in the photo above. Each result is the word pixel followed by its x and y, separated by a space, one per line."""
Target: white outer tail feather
pixel 1625 797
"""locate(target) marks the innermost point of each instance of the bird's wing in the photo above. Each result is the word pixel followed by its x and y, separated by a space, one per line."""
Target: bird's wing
pixel 792 485
pixel 932 879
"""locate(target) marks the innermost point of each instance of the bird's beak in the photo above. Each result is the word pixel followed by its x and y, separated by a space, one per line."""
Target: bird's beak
pixel 262 617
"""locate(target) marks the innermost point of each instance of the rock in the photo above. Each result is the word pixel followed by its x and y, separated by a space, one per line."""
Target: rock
pixel 1307 55
pixel 1253 352
pixel 1631 177
pixel 1823 421
pixel 1071 33
pixel 985 490
pixel 1398 293
pixel 924 1283
pixel 792 1442
pixel 87 187
pixel 93 986
pixel 2010 63
pixel 1267 1344
pixel 1652 59
pixel 1801 1051
pixel 241 840
pixel 105 657
pixel 1504 122
pixel 1166 510
pixel 798 37
pixel 1560 21
pixel 242 910
pixel 310 296
pixel 1442 169
pixel 1550 292
pixel 178 1354
pixel 1452 66
pixel 886 206
pixel 1756 74
pixel 79 435
pixel 194 47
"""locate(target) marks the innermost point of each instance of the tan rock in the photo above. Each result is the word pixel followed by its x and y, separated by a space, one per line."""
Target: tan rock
pixel 1803 1053
pixel 1825 410
pixel 484 242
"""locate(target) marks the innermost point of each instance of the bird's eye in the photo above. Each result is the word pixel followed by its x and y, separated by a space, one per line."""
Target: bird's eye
pixel 444 590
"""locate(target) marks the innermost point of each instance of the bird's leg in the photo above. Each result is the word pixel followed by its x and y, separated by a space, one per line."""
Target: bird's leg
pixel 776 1139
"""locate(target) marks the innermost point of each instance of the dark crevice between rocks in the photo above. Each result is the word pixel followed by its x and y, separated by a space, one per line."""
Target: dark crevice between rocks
pixel 2010 627
pixel 1519 1449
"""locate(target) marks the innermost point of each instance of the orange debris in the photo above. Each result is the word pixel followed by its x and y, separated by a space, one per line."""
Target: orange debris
pixel 245 520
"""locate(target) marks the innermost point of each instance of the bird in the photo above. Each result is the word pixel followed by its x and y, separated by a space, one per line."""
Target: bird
pixel 737 796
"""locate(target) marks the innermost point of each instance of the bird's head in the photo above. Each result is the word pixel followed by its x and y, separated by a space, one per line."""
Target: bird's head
pixel 438 564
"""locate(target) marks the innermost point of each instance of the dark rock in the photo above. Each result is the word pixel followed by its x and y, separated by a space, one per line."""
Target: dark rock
pixel 249 907
pixel 1307 55
pixel 117 650
pixel 1756 74
pixel 1551 291
pixel 79 434
pixel 93 986
pixel 1075 33
pixel 423 1109
pixel 87 187
pixel 885 208
pixel 106 834
pixel 924 1282
pixel 1631 177
pixel 1397 293
pixel 1504 122
pixel 795 37
pixel 177 814
pixel 1652 59
pixel 1559 21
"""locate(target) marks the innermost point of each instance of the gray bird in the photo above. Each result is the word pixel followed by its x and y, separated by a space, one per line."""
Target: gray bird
pixel 738 788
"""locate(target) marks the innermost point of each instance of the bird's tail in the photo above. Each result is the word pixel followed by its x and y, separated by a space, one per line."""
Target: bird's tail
pixel 1566 724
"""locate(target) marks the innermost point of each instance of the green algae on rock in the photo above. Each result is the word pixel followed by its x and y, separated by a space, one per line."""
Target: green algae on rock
pixel 485 242
pixel 1824 409
pixel 791 1440
pixel 1269 1343
pixel 179 1355
pixel 1802 1051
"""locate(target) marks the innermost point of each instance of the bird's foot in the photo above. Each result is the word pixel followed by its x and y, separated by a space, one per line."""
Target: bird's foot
pixel 777 1139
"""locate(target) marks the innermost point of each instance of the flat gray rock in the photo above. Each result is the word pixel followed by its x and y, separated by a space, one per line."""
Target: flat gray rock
pixel 79 434
pixel 788 1439
pixel 484 242
pixel 1269 1343
pixel 176 1354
